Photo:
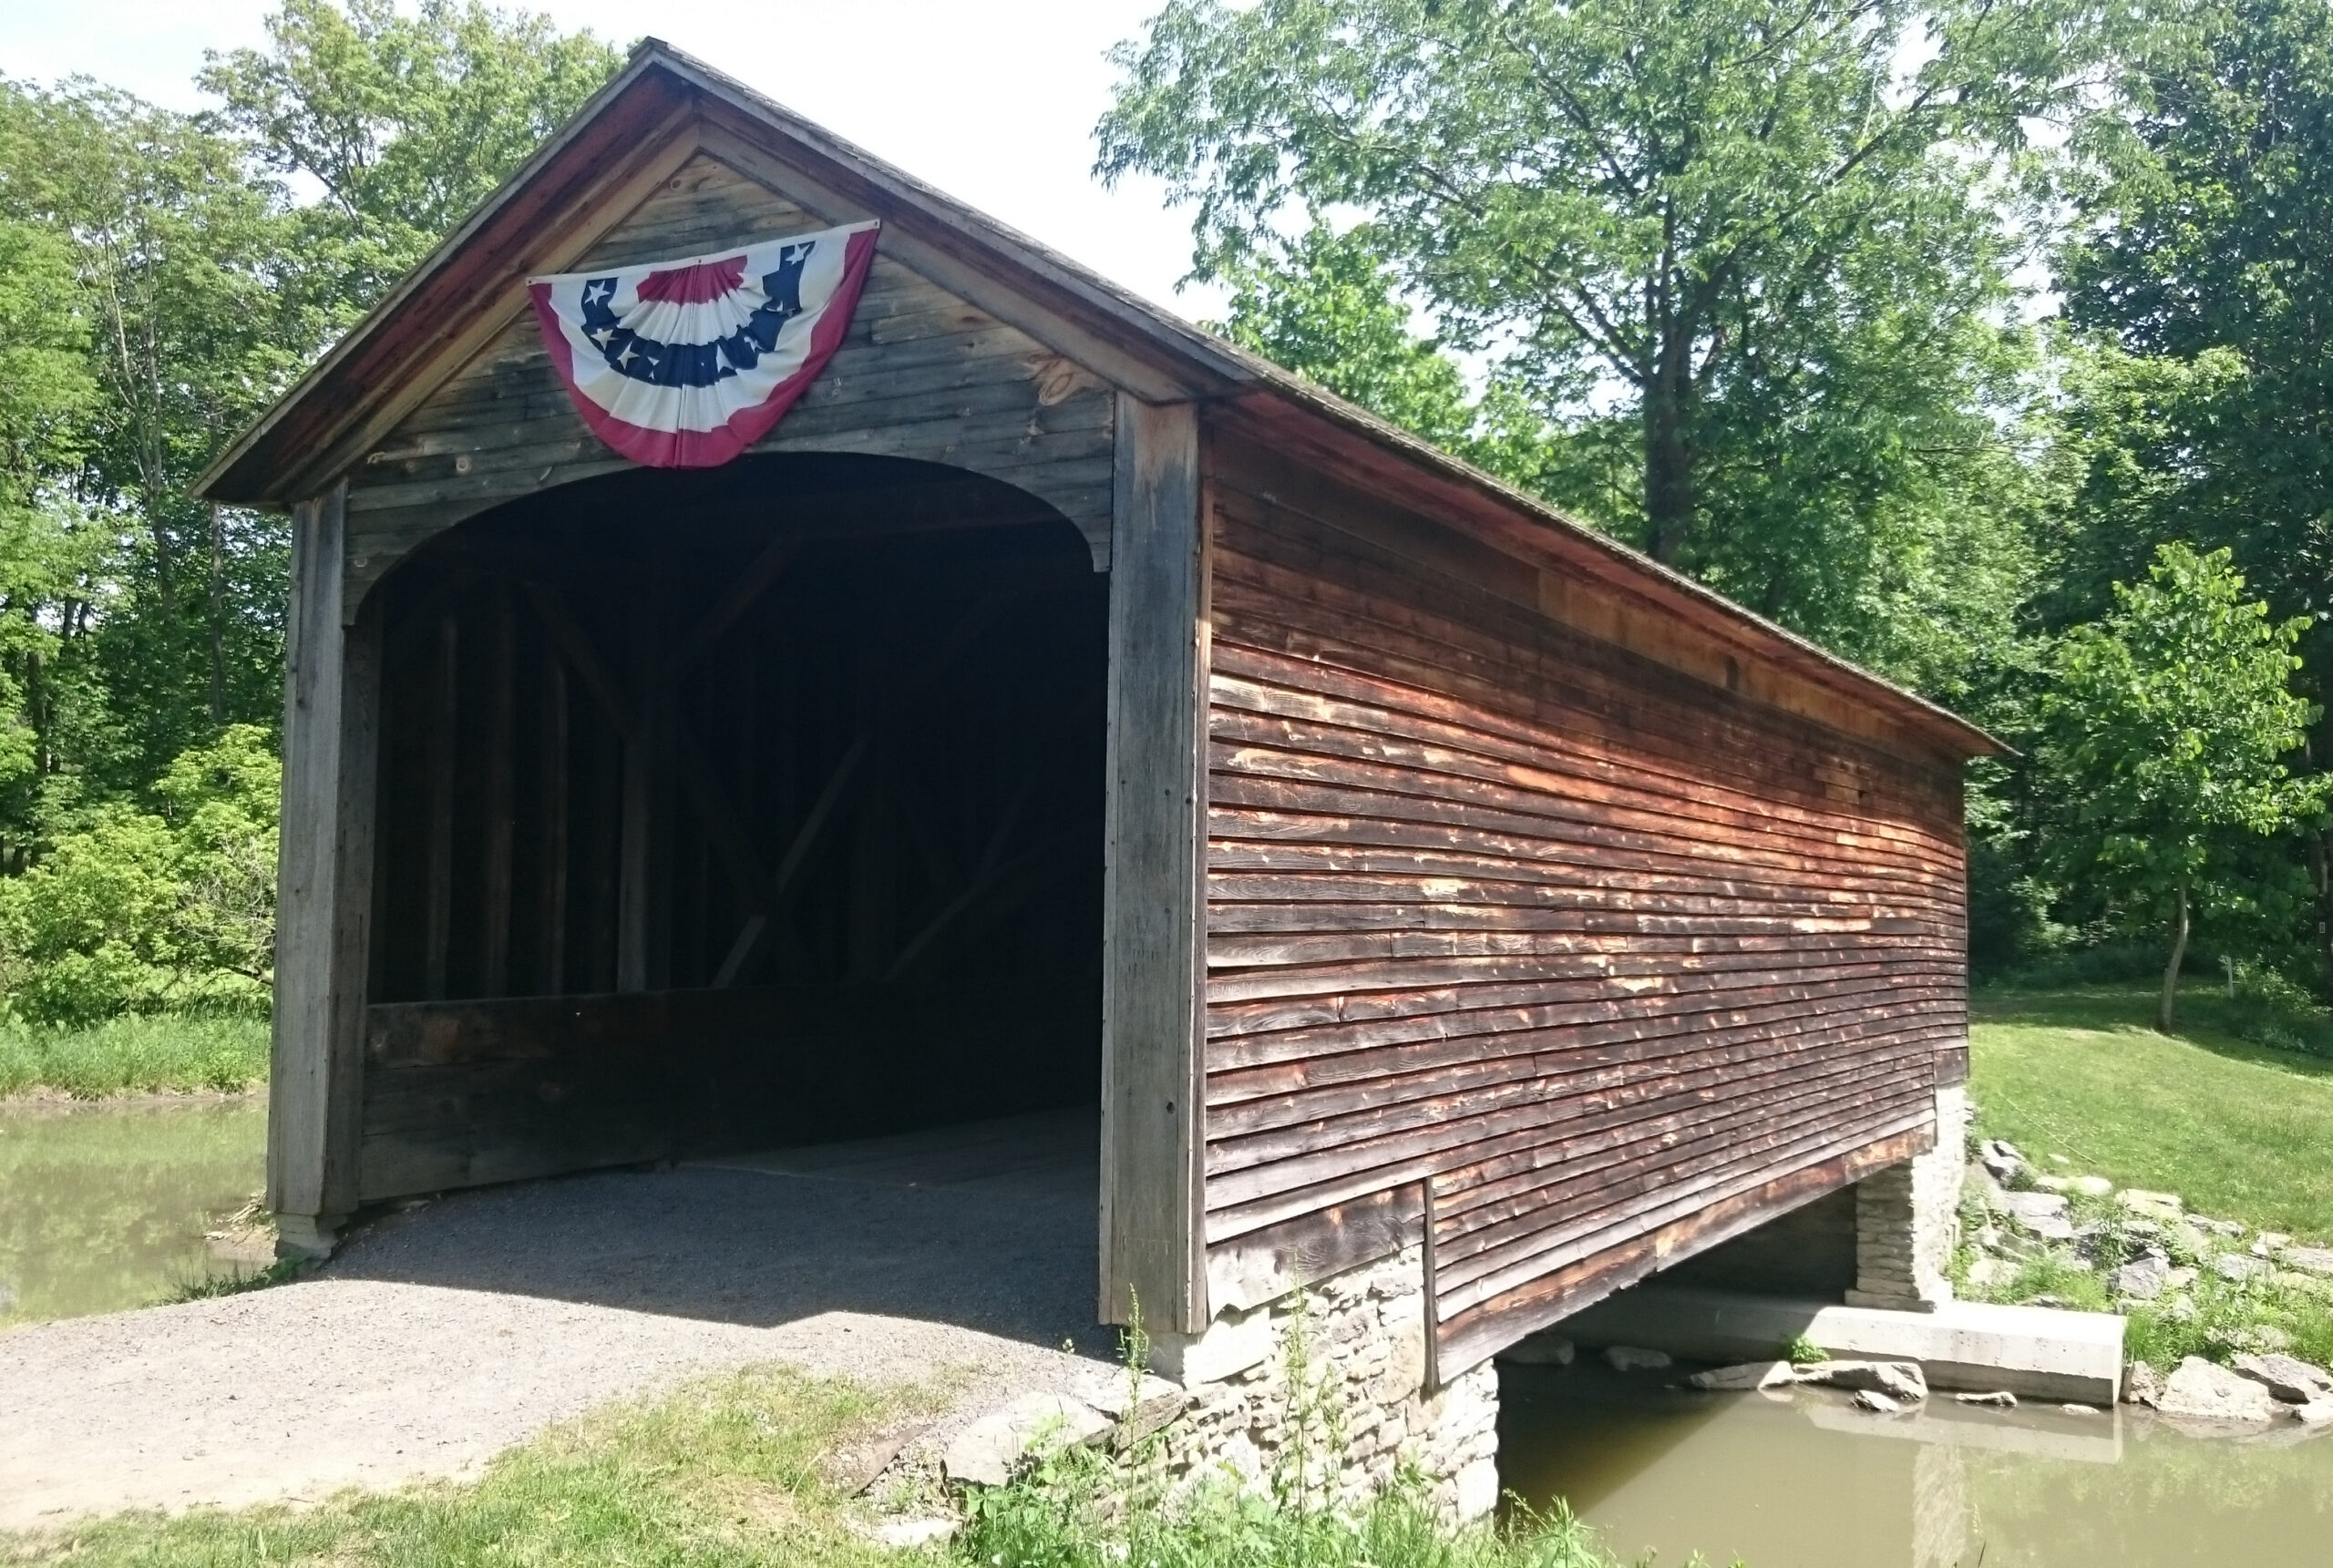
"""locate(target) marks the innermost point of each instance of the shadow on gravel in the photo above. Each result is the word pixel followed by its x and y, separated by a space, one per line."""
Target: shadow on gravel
pixel 763 1248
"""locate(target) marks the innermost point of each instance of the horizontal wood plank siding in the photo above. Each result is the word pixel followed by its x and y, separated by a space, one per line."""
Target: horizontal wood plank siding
pixel 1621 962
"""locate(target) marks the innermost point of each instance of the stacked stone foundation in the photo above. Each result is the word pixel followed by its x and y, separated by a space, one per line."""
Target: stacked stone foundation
pixel 1907 1219
pixel 1327 1387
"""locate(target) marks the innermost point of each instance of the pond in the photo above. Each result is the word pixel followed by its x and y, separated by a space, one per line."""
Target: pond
pixel 105 1206
pixel 1801 1480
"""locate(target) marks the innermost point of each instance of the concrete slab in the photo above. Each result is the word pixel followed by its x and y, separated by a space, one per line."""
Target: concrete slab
pixel 2034 1352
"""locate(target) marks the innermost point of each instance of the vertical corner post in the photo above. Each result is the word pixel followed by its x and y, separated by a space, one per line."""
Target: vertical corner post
pixel 1152 1212
pixel 324 879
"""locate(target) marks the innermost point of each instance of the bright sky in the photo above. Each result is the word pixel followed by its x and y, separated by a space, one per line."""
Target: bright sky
pixel 994 104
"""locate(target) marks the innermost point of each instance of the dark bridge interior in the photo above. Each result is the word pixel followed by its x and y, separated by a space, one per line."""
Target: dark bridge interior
pixel 730 809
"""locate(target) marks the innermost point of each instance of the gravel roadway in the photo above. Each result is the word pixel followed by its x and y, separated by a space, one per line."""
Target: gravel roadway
pixel 440 1336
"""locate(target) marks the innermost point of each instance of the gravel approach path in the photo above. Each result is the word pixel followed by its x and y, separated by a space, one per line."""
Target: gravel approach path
pixel 438 1337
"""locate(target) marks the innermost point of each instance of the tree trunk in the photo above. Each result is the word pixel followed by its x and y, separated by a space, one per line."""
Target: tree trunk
pixel 2178 956
pixel 1668 499
pixel 218 618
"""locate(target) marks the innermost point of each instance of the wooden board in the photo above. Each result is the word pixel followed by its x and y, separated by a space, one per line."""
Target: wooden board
pixel 1151 1233
pixel 921 374
pixel 1624 961
pixel 324 879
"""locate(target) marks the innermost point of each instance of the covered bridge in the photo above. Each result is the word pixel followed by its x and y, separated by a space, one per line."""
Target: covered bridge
pixel 1057 708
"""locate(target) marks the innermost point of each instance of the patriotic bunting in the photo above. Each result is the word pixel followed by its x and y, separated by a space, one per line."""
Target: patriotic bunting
pixel 685 364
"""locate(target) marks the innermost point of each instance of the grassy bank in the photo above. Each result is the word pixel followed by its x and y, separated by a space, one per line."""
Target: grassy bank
pixel 161 1055
pixel 2081 1082
pixel 2239 1130
pixel 736 1471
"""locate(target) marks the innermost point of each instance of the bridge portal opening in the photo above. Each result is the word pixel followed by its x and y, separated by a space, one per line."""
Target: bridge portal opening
pixel 732 809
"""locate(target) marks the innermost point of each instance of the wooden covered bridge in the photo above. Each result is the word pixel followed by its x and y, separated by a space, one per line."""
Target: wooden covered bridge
pixel 1057 708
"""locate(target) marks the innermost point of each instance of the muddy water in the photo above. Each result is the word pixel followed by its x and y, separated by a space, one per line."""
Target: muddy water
pixel 104 1207
pixel 1806 1483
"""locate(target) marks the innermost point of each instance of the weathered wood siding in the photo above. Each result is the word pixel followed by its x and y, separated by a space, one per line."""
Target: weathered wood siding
pixel 1620 962
pixel 922 375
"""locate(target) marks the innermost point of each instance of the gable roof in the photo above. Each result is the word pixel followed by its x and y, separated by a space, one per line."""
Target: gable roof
pixel 542 216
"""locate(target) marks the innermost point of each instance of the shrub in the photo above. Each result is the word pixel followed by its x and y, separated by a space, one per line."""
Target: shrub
pixel 150 911
pixel 2269 1010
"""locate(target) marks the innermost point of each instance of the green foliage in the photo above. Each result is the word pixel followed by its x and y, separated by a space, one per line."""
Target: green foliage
pixel 1064 1521
pixel 406 121
pixel 2267 1009
pixel 145 911
pixel 283 1271
pixel 133 1055
pixel 1804 1352
pixel 160 286
pixel 2198 243
pixel 1752 247
pixel 2166 736
pixel 1325 308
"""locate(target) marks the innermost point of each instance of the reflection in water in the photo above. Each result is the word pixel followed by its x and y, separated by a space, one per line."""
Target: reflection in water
pixel 103 1207
pixel 1803 1482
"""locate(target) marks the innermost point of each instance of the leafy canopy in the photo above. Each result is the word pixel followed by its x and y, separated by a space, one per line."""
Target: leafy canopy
pixel 407 122
pixel 1754 243
pixel 2167 733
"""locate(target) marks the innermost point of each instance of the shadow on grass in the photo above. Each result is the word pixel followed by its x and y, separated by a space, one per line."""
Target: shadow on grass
pixel 2130 1010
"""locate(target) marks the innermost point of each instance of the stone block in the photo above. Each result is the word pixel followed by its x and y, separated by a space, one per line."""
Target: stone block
pixel 986 1452
pixel 2200 1391
pixel 1474 1491
pixel 1234 1343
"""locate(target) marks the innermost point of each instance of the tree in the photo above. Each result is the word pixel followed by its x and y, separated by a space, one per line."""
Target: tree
pixel 406 122
pixel 2197 256
pixel 180 264
pixel 1749 230
pixel 2166 737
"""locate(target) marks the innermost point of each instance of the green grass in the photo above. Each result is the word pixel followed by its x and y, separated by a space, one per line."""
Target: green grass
pixel 161 1055
pixel 2239 1130
pixel 732 1472
pixel 725 1472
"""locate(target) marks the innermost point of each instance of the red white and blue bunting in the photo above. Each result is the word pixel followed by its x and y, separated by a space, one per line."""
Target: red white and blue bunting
pixel 685 364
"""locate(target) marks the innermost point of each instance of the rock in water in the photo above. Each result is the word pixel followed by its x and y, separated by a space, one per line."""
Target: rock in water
pixel 1998 1399
pixel 1750 1374
pixel 2142 1385
pixel 1632 1358
pixel 1900 1380
pixel 2142 1278
pixel 2289 1377
pixel 2201 1391
pixel 1541 1349
pixel 2316 1415
pixel 1878 1404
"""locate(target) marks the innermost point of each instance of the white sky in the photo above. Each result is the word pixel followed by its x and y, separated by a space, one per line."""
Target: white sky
pixel 994 103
